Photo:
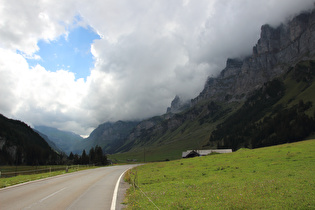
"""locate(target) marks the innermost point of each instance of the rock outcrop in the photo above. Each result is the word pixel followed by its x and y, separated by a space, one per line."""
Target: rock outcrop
pixel 276 49
pixel 177 105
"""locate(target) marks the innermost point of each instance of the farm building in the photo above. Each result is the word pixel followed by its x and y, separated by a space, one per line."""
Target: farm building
pixel 195 153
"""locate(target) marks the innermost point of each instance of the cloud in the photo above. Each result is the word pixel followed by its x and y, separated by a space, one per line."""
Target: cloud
pixel 23 23
pixel 149 52
pixel 39 96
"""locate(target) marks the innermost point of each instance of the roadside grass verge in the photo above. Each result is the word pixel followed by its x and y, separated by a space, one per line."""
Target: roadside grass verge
pixel 278 177
pixel 9 181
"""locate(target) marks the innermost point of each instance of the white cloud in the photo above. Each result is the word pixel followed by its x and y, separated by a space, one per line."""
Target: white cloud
pixel 150 51
pixel 36 95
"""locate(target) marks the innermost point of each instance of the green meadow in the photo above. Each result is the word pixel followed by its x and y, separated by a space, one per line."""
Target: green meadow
pixel 36 172
pixel 278 177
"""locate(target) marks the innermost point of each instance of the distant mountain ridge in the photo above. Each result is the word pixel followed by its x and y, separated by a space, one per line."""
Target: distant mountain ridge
pixel 109 136
pixel 65 140
pixel 50 143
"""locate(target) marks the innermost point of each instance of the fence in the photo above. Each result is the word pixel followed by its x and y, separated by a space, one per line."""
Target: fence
pixel 15 171
pixel 133 180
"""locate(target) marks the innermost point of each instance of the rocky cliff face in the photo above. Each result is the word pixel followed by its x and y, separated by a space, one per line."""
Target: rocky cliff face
pixel 276 49
pixel 177 105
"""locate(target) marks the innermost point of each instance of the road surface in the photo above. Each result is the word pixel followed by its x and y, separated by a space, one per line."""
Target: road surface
pixel 88 189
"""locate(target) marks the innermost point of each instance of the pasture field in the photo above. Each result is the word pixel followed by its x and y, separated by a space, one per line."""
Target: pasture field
pixel 277 177
pixel 30 173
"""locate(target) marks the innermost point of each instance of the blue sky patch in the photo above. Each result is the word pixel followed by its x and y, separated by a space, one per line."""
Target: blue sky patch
pixel 72 53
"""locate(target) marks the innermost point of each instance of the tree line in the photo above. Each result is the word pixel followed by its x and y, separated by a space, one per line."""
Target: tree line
pixel 95 156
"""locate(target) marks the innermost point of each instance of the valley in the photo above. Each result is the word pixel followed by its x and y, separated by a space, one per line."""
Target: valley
pixel 263 99
pixel 100 99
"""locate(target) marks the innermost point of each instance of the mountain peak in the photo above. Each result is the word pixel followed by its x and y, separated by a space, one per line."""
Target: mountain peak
pixel 288 43
pixel 177 105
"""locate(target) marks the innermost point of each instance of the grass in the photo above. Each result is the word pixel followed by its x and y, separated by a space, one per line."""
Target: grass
pixel 24 168
pixel 278 177
pixel 169 146
pixel 296 91
pixel 9 181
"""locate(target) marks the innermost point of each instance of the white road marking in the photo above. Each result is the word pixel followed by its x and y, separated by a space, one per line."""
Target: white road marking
pixel 34 204
pixel 113 206
pixel 52 195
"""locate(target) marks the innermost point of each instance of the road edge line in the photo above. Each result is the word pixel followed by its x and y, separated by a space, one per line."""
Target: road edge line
pixel 115 194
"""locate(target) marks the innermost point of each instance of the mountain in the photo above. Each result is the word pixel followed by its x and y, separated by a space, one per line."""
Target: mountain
pixel 141 133
pixel 281 111
pixel 64 140
pixel 276 50
pixel 264 99
pixel 177 105
pixel 20 144
pixel 109 136
pixel 50 143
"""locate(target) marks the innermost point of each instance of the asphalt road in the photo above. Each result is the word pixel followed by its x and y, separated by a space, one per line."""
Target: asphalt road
pixel 88 189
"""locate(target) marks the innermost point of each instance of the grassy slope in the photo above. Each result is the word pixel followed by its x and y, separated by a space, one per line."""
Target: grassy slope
pixel 169 148
pixel 296 91
pixel 278 177
pixel 190 135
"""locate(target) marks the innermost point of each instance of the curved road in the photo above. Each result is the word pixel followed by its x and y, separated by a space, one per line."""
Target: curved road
pixel 88 189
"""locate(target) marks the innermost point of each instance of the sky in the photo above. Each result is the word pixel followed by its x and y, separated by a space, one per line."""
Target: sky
pixel 74 64
pixel 71 52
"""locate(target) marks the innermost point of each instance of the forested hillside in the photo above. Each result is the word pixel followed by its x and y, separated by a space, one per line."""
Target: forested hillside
pixel 20 145
pixel 281 111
